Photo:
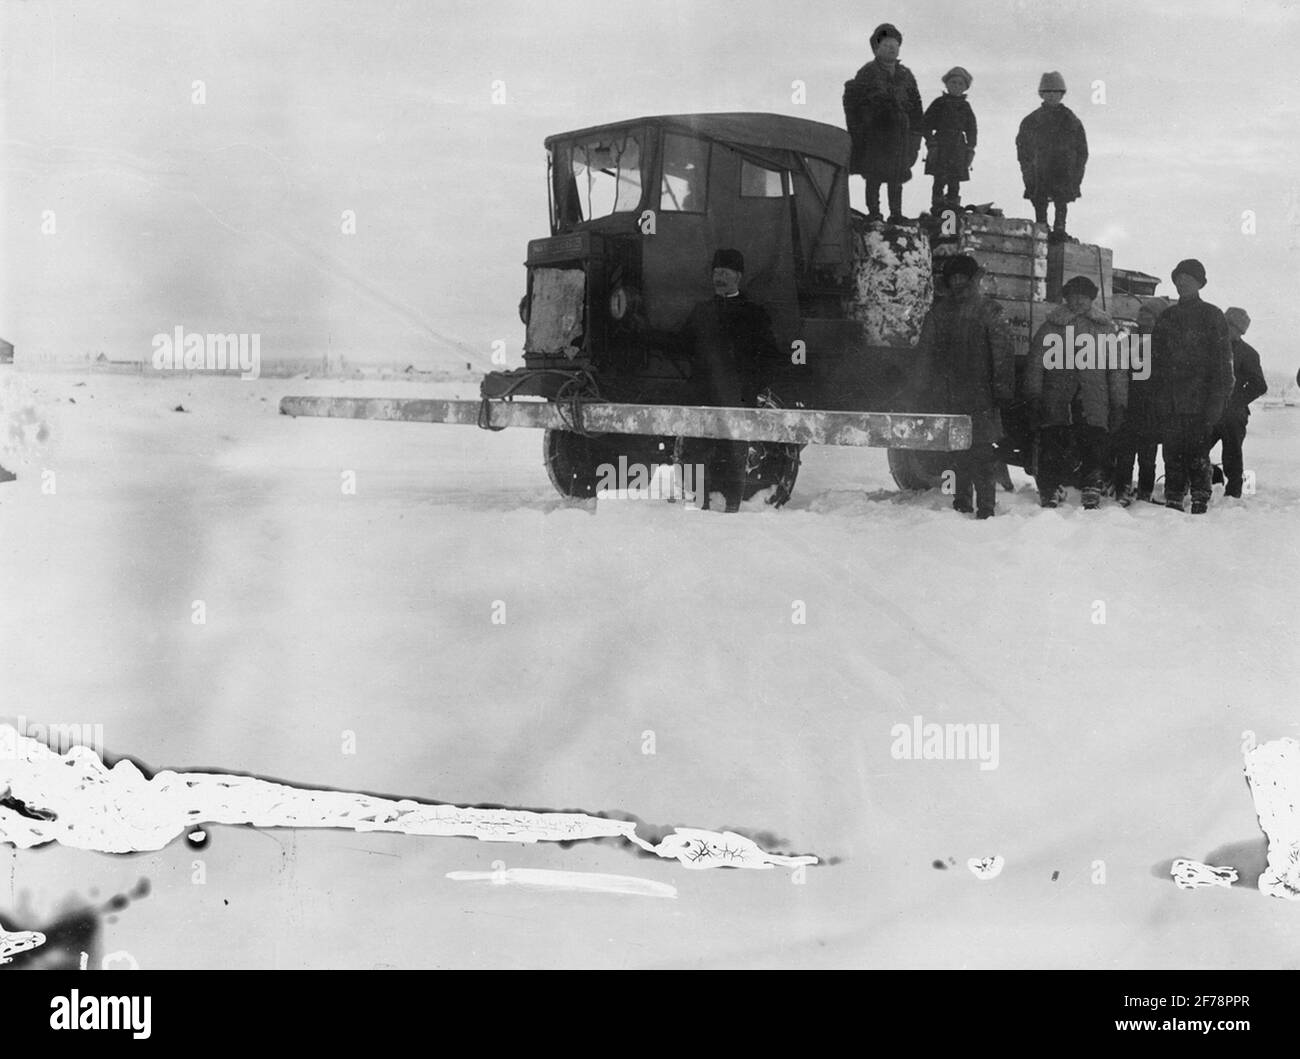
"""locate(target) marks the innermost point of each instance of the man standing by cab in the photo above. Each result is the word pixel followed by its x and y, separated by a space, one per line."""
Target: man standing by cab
pixel 1191 381
pixel 734 355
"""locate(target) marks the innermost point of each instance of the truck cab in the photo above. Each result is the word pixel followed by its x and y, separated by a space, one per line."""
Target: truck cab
pixel 637 209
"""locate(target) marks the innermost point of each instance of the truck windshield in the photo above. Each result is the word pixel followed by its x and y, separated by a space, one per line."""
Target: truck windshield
pixel 597 177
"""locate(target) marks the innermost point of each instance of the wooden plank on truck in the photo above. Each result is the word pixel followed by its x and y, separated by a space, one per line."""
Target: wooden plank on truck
pixel 1013 288
pixel 1067 260
pixel 1024 265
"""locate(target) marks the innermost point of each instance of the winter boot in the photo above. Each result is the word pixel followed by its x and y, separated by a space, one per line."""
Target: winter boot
pixel 983 513
pixel 962 505
pixel 1175 502
pixel 1091 498
pixel 894 193
pixel 1200 507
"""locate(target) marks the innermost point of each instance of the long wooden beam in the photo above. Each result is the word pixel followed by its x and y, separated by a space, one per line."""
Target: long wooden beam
pixel 792 426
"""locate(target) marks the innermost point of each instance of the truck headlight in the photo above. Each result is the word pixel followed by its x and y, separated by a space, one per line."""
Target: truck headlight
pixel 621 301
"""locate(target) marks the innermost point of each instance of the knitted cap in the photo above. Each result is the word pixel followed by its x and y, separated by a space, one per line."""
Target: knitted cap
pixel 959 71
pixel 1238 318
pixel 1051 82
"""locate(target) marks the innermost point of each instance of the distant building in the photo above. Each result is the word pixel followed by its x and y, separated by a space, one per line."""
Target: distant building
pixel 6 352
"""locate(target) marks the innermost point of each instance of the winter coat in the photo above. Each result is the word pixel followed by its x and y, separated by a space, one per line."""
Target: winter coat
pixel 1095 396
pixel 965 362
pixel 1191 363
pixel 733 350
pixel 1140 413
pixel 1249 376
pixel 950 131
pixel 1053 151
pixel 884 118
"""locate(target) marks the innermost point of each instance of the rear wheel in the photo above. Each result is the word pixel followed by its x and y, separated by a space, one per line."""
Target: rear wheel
pixel 772 466
pixel 918 468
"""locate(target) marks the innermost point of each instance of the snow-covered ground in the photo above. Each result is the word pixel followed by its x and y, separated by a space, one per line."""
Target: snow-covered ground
pixel 633 625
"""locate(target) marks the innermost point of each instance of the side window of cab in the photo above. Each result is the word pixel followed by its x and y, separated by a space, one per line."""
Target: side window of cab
pixel 684 185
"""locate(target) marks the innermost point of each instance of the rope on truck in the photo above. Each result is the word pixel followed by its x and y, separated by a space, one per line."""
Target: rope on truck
pixel 576 387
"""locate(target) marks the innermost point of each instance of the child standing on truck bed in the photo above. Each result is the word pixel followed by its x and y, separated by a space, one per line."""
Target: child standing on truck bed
pixel 950 130
pixel 1053 152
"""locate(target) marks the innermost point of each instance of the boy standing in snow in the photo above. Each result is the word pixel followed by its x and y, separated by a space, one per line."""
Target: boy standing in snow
pixel 1075 405
pixel 1053 151
pixel 965 365
pixel 1249 384
pixel 1191 380
pixel 949 128
pixel 1138 436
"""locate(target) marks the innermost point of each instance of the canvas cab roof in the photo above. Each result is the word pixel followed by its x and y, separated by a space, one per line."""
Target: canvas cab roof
pixel 771 131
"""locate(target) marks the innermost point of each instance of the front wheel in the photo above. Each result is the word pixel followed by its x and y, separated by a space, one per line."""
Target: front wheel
pixel 572 463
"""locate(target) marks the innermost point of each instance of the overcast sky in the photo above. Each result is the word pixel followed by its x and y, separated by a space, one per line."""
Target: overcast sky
pixel 226 216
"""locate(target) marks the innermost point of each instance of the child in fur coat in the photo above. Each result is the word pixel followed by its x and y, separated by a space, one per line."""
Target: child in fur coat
pixel 950 132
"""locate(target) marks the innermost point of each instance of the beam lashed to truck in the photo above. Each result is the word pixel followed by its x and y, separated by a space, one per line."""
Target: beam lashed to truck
pixel 791 426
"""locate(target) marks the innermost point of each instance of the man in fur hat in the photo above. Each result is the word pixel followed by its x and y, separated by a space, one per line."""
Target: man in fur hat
pixel 1191 380
pixel 882 108
pixel 1053 151
pixel 950 134
pixel 1075 399
pixel 966 366
pixel 734 354
pixel 1249 384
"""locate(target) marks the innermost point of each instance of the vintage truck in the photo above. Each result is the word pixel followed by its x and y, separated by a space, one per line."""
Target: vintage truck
pixel 637 209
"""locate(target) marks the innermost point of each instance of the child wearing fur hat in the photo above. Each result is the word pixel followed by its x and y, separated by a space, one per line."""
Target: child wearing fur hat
pixel 1053 151
pixel 882 109
pixel 950 132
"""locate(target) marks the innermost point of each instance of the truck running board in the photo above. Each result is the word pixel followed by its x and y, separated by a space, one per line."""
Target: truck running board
pixel 789 426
